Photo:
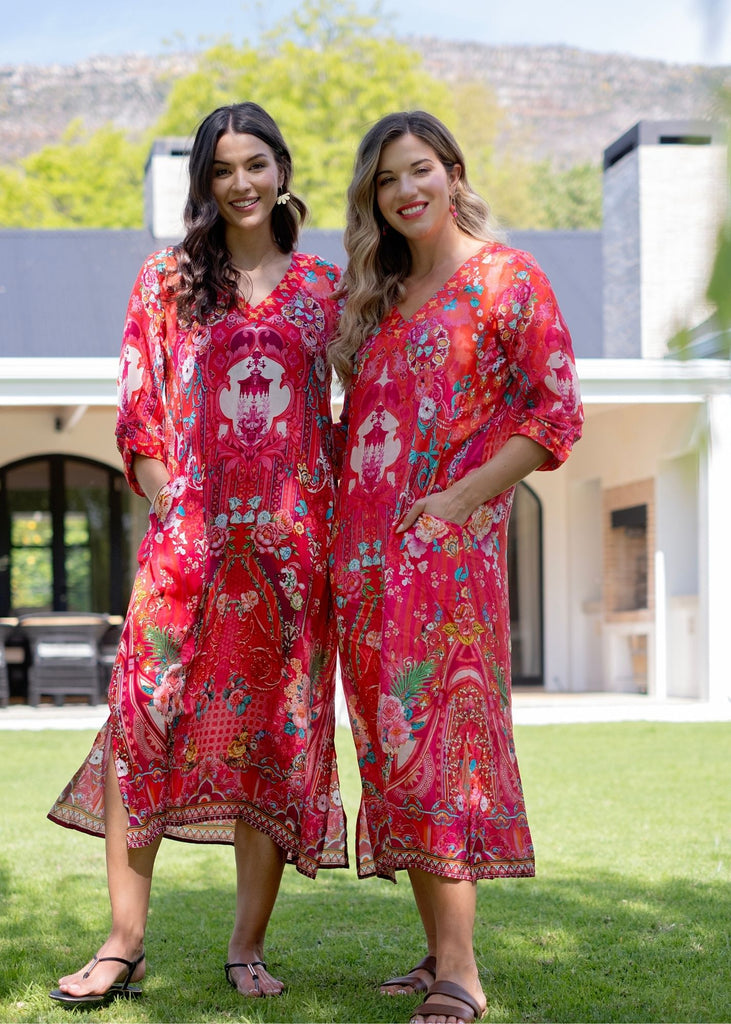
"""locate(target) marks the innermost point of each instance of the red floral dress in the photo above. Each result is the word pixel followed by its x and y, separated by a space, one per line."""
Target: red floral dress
pixel 423 617
pixel 222 694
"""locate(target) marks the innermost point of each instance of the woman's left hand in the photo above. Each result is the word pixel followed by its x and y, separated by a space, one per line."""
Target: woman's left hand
pixel 518 457
pixel 442 504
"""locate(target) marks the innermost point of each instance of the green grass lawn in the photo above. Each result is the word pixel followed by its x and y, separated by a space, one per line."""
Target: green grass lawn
pixel 628 919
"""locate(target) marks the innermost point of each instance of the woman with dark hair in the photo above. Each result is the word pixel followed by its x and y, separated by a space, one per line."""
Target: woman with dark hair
pixel 460 381
pixel 221 703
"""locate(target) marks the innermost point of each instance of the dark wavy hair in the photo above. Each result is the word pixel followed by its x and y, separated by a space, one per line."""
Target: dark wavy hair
pixel 207 282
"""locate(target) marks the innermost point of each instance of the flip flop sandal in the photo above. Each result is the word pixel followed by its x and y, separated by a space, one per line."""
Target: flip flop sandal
pixel 119 990
pixel 250 968
pixel 428 965
pixel 433 1008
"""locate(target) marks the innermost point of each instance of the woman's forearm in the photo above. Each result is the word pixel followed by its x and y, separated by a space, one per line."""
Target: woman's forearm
pixel 151 475
pixel 518 457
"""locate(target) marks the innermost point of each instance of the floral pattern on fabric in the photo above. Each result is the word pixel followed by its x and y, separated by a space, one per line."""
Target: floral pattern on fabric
pixel 423 617
pixel 222 694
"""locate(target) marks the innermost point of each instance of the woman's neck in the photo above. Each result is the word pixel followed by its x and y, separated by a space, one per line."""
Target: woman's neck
pixel 430 257
pixel 251 251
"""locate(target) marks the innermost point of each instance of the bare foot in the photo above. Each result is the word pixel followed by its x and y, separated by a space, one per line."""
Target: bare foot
pixel 253 980
pixel 98 976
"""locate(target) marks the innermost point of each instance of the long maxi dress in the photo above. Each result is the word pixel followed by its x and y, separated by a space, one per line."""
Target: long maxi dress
pixel 221 702
pixel 423 617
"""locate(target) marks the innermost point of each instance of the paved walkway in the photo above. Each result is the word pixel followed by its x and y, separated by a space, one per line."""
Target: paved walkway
pixel 529 708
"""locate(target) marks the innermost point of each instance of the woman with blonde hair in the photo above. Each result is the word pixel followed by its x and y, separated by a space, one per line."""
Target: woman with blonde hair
pixel 460 381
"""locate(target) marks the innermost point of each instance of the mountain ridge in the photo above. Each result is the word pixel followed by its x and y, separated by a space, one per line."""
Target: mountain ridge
pixel 559 103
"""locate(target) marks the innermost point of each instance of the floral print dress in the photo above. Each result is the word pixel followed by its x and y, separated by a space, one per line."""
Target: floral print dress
pixel 222 695
pixel 423 616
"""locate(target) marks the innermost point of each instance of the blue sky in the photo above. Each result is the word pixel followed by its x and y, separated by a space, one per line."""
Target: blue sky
pixel 49 31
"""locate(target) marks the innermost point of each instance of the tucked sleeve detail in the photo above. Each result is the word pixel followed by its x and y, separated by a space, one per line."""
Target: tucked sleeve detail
pixel 141 426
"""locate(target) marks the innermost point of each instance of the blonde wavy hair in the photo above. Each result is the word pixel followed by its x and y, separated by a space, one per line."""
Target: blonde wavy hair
pixel 379 262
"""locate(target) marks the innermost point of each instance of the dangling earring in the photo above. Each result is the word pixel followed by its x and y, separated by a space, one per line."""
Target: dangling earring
pixel 384 229
pixel 282 197
pixel 453 207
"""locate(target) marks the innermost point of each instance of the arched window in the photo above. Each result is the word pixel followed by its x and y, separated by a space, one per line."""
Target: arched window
pixel 525 578
pixel 64 536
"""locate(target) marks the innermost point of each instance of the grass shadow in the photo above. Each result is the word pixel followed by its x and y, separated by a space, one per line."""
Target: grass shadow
pixel 599 948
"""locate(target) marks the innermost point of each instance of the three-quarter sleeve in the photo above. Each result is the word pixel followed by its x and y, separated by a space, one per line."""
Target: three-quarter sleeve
pixel 140 426
pixel 542 392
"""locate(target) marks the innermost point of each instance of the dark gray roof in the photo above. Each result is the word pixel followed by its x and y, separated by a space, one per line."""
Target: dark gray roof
pixel 65 293
pixel 572 260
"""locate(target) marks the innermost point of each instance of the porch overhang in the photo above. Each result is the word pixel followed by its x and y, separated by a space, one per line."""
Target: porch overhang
pixel 92 381
pixel 648 381
pixel 58 381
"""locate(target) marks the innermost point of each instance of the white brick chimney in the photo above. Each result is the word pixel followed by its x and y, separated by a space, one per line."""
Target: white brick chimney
pixel 166 187
pixel 665 194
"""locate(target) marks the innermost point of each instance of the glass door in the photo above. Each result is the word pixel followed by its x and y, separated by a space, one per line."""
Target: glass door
pixel 64 544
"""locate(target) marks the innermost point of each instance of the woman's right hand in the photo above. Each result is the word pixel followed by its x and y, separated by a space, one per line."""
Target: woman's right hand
pixel 162 502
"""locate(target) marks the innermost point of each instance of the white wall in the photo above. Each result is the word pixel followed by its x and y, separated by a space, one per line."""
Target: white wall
pixel 625 442
pixel 585 583
pixel 715 546
pixel 621 444
pixel 551 488
pixel 30 430
pixel 683 196
pixel 677 543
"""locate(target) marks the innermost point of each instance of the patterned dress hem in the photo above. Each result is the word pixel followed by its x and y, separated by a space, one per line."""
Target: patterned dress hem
pixel 386 867
pixel 225 817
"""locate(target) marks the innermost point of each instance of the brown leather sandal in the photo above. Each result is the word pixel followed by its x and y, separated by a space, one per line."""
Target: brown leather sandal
pixel 428 965
pixel 433 1008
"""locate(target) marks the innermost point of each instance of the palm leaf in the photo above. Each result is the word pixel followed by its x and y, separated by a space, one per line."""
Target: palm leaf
pixel 163 645
pixel 501 685
pixel 318 660
pixel 409 682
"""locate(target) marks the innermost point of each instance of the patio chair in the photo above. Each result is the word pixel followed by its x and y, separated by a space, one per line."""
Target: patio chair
pixel 64 654
pixel 6 627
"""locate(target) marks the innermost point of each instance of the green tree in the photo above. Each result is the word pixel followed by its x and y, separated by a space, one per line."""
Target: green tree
pixel 522 193
pixel 568 199
pixel 87 180
pixel 22 203
pixel 502 179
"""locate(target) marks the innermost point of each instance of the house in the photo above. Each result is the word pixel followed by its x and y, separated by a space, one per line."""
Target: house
pixel 618 561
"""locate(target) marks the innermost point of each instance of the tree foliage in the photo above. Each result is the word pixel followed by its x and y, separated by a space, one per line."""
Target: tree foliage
pixel 87 180
pixel 719 285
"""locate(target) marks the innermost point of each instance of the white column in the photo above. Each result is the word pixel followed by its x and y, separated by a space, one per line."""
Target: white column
pixel 659 682
pixel 715 548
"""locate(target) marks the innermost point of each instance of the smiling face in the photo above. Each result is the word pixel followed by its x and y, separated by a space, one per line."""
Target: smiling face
pixel 413 189
pixel 245 179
